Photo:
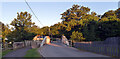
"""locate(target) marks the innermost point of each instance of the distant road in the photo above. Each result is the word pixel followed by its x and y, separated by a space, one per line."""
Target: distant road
pixel 60 50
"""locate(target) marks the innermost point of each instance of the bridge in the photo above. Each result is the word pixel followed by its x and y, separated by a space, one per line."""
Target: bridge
pixel 62 49
pixel 54 49
pixel 57 49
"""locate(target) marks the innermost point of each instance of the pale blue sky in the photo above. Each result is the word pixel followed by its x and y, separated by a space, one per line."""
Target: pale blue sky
pixel 49 12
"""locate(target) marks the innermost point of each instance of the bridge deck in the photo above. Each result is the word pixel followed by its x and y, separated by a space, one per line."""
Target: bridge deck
pixel 60 50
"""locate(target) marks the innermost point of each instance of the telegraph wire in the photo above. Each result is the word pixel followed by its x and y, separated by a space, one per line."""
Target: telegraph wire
pixel 35 15
pixel 33 12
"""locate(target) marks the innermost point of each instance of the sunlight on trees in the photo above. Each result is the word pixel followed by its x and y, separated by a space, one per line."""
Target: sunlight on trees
pixel 79 24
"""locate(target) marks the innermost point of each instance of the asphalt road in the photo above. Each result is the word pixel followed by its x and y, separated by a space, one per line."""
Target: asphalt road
pixel 60 50
pixel 18 53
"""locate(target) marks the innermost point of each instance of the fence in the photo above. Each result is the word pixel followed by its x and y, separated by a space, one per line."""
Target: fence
pixel 102 47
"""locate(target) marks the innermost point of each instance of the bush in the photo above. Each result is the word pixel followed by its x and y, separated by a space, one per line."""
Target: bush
pixel 76 36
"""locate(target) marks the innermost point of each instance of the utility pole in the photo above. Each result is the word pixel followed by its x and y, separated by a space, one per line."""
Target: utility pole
pixel 49 31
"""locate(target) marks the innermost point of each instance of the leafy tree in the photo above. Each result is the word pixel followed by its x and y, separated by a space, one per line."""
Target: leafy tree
pixel 54 30
pixel 76 36
pixel 117 12
pixel 4 31
pixel 79 24
pixel 45 30
pixel 109 27
pixel 21 24
pixel 22 21
pixel 76 12
pixel 109 13
pixel 77 18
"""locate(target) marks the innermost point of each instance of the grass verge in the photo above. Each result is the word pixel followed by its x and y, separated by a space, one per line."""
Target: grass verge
pixel 32 53
pixel 6 52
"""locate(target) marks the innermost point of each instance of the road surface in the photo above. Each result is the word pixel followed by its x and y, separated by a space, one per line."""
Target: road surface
pixel 18 53
pixel 60 50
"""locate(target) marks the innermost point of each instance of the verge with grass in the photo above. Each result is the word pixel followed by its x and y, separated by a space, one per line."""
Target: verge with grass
pixel 32 53
pixel 6 52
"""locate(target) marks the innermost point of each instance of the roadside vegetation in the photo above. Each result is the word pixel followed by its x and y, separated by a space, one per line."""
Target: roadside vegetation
pixel 78 24
pixel 32 53
pixel 6 52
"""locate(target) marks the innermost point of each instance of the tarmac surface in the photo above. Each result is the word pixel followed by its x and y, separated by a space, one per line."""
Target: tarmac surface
pixel 18 53
pixel 60 50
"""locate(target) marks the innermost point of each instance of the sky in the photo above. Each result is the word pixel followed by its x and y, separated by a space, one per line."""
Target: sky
pixel 49 12
pixel 61 0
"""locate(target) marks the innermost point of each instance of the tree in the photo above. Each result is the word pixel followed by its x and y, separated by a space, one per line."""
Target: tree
pixel 45 30
pixel 21 24
pixel 4 31
pixel 109 13
pixel 75 13
pixel 78 22
pixel 117 12
pixel 76 36
pixel 22 21
pixel 77 18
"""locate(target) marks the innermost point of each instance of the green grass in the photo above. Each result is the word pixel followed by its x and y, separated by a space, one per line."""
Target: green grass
pixel 32 53
pixel 6 52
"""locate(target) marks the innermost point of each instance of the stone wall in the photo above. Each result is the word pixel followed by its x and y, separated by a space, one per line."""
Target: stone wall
pixel 35 44
pixel 28 42
pixel 17 45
